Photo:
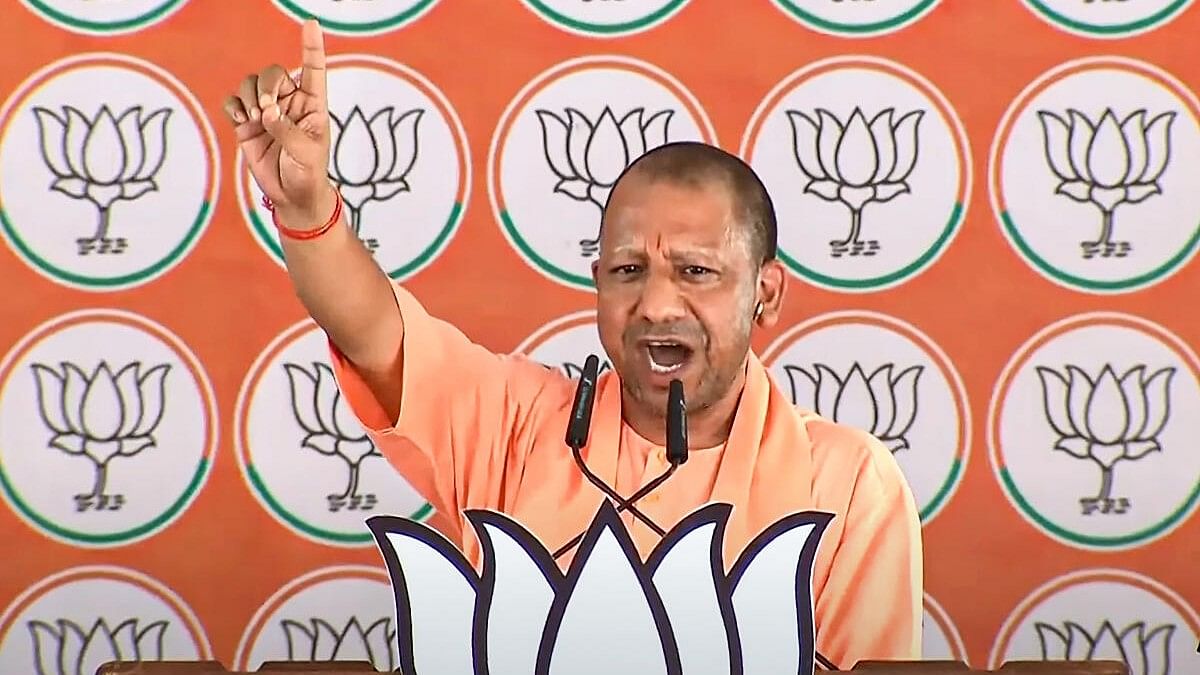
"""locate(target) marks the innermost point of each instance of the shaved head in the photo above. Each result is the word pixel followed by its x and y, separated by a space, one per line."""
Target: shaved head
pixel 697 165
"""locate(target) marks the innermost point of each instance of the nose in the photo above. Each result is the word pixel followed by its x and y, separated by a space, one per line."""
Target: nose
pixel 661 302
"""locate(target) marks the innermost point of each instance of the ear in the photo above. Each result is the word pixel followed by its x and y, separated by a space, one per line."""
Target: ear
pixel 595 272
pixel 772 282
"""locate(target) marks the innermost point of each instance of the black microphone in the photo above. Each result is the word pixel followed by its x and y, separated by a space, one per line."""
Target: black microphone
pixel 581 410
pixel 677 440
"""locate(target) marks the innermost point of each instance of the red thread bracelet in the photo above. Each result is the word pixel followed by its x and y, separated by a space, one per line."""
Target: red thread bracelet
pixel 306 234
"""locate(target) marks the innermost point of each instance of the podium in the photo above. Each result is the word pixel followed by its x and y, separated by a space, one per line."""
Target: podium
pixel 865 667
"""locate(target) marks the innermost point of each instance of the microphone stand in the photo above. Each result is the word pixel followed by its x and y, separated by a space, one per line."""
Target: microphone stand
pixel 577 434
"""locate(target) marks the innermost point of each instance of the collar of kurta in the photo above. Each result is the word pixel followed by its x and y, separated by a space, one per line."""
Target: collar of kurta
pixel 741 450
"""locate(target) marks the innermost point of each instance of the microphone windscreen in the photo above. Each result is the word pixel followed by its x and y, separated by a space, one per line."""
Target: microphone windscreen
pixel 677 440
pixel 581 409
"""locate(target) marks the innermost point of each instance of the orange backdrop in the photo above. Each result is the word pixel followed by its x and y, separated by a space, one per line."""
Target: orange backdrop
pixel 211 509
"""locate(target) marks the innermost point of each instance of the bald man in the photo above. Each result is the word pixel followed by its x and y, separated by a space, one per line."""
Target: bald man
pixel 686 271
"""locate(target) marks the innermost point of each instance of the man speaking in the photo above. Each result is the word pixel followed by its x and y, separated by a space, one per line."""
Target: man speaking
pixel 686 270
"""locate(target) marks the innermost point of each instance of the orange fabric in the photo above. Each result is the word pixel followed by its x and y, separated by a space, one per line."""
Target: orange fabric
pixel 479 430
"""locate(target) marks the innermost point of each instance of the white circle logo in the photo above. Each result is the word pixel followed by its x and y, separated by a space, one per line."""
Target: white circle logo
pixel 302 452
pixel 869 170
pixel 398 156
pixel 560 147
pixel 108 172
pixel 108 428
pixel 1092 175
pixel 104 18
pixel 856 19
pixel 343 613
pixel 1107 19
pixel 358 18
pixel 565 343
pixel 74 621
pixel 1102 614
pixel 882 376
pixel 1092 431
pixel 605 19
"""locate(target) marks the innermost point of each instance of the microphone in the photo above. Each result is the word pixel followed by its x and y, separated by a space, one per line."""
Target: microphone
pixel 576 438
pixel 677 440
pixel 581 409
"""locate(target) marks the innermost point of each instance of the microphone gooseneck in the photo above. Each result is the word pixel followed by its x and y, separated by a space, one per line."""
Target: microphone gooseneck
pixel 576 438
pixel 677 438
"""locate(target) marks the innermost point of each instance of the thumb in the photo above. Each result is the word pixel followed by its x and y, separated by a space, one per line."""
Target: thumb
pixel 279 125
pixel 293 139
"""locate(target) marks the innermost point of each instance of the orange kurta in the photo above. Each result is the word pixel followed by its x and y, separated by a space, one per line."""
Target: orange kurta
pixel 478 430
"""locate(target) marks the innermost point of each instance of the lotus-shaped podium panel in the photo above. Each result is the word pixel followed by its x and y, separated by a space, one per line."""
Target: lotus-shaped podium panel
pixel 678 612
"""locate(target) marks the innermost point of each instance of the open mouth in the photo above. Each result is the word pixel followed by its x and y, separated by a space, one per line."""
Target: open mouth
pixel 666 356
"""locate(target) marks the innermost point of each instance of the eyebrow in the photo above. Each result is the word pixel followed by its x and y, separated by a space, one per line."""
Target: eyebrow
pixel 676 254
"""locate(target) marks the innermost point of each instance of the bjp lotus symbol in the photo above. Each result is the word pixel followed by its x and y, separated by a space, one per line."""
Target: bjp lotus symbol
pixel 883 403
pixel 1147 651
pixel 330 429
pixel 101 416
pixel 611 612
pixel 103 160
pixel 66 648
pixel 370 159
pixel 320 640
pixel 1107 163
pixel 588 157
pixel 856 163
pixel 1106 419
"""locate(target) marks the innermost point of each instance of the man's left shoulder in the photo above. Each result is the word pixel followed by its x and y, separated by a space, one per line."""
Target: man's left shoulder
pixel 848 456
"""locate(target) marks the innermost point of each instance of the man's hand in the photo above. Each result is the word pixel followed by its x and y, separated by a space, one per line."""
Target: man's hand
pixel 282 128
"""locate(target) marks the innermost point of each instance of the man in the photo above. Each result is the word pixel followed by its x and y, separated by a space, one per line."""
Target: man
pixel 686 269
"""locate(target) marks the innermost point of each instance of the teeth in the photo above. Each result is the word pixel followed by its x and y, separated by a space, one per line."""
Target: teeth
pixel 662 370
pixel 658 367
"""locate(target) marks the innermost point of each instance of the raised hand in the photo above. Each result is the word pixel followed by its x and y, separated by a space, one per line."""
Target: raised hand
pixel 282 127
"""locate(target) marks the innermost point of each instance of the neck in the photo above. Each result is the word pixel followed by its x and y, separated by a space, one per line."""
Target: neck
pixel 706 427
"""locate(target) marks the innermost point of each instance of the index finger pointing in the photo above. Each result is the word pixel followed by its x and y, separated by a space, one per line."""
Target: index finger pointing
pixel 312 70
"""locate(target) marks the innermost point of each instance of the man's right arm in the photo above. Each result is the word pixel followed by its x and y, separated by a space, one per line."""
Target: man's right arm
pixel 351 299
pixel 444 418
pixel 283 130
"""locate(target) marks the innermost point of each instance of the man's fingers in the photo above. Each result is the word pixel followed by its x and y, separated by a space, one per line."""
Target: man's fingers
pixel 235 111
pixel 273 82
pixel 312 71
pixel 248 95
pixel 276 123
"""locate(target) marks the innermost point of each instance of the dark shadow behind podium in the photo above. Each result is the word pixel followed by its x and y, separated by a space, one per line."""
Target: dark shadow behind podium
pixel 867 667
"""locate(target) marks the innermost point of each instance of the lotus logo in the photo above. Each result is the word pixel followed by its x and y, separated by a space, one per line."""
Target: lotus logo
pixel 575 371
pixel 101 416
pixel 65 648
pixel 370 159
pixel 883 404
pixel 1106 420
pixel 1146 651
pixel 855 163
pixel 677 611
pixel 589 157
pixel 103 160
pixel 331 429
pixel 1107 163
pixel 319 640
